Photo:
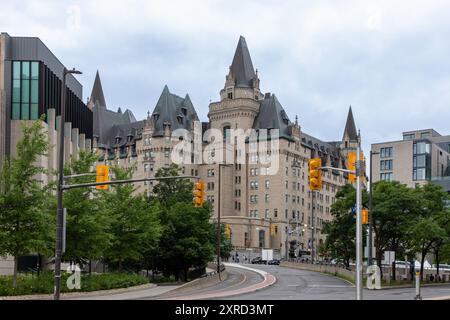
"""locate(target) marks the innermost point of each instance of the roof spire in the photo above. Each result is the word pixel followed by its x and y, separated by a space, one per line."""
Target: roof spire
pixel 350 127
pixel 242 66
pixel 97 92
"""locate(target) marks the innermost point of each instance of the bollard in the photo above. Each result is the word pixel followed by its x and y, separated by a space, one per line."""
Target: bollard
pixel 417 297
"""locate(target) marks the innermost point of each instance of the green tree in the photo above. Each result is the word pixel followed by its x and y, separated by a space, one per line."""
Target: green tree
pixel 188 237
pixel 341 231
pixel 134 221
pixel 394 205
pixel 26 222
pixel 225 242
pixel 88 224
pixel 171 191
pixel 428 228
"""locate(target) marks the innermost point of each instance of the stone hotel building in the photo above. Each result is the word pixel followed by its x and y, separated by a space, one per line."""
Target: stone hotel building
pixel 250 199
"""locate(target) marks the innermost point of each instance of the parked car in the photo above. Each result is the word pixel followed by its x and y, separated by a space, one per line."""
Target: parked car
pixel 275 262
pixel 256 260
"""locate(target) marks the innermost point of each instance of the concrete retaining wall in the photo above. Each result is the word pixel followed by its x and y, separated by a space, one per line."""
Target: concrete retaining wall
pixel 320 268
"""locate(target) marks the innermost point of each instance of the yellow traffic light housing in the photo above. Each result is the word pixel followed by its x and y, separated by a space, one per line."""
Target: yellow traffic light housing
pixel 315 174
pixel 199 194
pixel 351 165
pixel 365 216
pixel 228 231
pixel 102 171
pixel 272 229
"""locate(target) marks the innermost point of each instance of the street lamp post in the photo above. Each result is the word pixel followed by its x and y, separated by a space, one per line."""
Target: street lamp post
pixel 218 221
pixel 369 249
pixel 59 212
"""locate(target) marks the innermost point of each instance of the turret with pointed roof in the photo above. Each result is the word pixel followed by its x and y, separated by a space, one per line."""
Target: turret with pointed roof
pixel 97 96
pixel 174 112
pixel 350 132
pixel 242 66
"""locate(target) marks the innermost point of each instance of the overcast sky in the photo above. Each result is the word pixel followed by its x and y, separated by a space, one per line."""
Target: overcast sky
pixel 390 60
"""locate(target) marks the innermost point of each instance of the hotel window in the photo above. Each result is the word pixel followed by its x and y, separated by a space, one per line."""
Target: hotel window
pixel 408 136
pixel 425 135
pixel 386 152
pixel 267 198
pixel 166 153
pixel 267 184
pixel 275 213
pixel 254 185
pixel 25 90
pixel 266 214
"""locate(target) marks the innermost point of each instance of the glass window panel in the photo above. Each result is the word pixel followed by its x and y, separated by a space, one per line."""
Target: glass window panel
pixel 15 115
pixel 16 70
pixel 16 91
pixel 421 161
pixel 34 91
pixel 34 113
pixel 25 91
pixel 421 174
pixel 25 111
pixel 35 70
pixel 25 70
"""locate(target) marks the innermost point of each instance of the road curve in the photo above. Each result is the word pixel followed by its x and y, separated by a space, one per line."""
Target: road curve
pixel 241 280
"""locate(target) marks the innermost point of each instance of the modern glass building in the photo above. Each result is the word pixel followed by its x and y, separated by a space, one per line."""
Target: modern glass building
pixel 30 85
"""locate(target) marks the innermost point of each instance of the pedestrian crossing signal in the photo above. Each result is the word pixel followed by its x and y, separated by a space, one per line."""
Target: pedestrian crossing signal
pixel 102 171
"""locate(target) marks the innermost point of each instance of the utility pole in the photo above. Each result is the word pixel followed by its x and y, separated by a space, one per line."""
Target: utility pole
pixel 59 212
pixel 359 265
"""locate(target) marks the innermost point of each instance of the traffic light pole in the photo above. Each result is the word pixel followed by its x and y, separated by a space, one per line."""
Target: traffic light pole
pixel 312 226
pixel 359 265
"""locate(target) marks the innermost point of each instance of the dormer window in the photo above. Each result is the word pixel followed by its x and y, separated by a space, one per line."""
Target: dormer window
pixel 230 95
pixel 117 140
pixel 129 137
pixel 184 111
pixel 155 116
pixel 180 119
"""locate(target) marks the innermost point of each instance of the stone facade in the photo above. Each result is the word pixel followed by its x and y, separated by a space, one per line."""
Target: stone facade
pixel 250 200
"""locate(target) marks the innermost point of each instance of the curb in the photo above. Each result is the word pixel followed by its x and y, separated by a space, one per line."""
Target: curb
pixel 269 280
pixel 80 294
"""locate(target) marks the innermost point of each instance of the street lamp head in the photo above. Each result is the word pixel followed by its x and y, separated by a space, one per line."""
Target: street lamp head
pixel 73 71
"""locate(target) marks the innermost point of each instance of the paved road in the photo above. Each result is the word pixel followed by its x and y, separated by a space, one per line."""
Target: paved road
pixel 238 279
pixel 295 284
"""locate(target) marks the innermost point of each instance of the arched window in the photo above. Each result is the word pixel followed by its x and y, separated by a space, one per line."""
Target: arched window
pixel 226 133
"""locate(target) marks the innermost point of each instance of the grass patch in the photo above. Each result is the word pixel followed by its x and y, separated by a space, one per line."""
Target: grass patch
pixel 32 284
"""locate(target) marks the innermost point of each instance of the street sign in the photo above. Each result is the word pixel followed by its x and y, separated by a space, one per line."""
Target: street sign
pixel 389 257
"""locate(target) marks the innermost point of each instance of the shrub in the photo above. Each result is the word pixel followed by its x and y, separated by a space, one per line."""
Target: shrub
pixel 32 284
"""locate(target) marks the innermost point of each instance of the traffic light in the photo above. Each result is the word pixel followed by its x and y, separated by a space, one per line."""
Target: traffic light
pixel 273 229
pixel 351 158
pixel 315 174
pixel 365 216
pixel 227 231
pixel 199 194
pixel 102 171
pixel 363 165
